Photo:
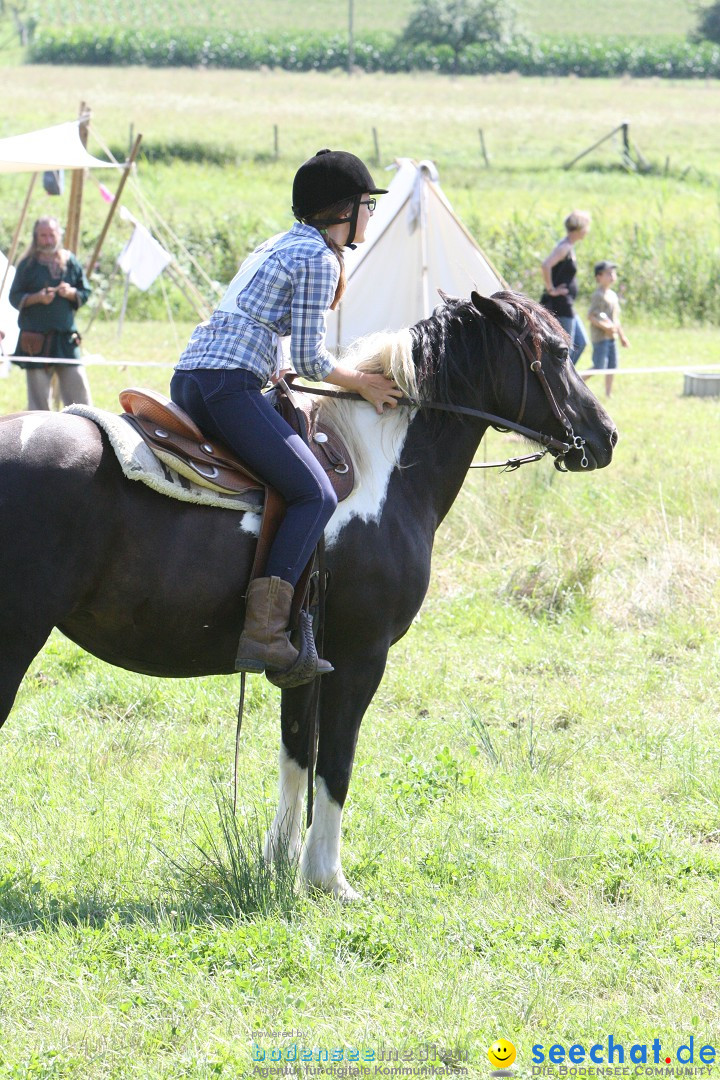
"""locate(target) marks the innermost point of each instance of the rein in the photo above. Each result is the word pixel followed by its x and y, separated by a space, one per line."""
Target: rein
pixel 549 442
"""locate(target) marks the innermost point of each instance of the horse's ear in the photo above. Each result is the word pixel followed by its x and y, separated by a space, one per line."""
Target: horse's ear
pixel 498 311
pixel 446 297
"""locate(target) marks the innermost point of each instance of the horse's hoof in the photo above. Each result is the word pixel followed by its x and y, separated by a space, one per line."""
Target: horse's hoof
pixel 336 886
pixel 347 895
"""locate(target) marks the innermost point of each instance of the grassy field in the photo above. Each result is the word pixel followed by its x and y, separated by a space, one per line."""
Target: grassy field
pixel 660 227
pixel 533 822
pixel 535 813
pixel 669 18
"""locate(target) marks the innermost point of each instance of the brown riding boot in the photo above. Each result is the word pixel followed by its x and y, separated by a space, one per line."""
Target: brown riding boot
pixel 264 643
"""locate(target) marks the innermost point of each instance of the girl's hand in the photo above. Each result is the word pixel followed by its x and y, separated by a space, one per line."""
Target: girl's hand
pixel 378 390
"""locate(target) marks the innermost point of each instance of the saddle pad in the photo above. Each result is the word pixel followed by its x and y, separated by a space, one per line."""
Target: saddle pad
pixel 138 462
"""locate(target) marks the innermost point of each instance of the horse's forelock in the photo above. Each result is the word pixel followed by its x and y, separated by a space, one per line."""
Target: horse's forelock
pixel 535 316
pixel 418 359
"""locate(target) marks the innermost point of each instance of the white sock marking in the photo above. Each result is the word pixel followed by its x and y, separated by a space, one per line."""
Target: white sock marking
pixel 320 862
pixel 284 833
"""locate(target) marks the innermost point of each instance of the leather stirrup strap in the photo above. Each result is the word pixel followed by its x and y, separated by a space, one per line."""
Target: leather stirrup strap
pixel 314 714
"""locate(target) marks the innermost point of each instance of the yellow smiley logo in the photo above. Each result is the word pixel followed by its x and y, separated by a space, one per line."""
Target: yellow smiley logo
pixel 502 1054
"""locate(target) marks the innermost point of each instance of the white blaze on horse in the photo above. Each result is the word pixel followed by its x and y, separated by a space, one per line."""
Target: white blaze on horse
pixel 156 586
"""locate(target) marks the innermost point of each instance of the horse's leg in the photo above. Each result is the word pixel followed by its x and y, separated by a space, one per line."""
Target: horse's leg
pixel 18 649
pixel 284 835
pixel 345 696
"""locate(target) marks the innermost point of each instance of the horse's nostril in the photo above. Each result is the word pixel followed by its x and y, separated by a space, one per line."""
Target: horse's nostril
pixel 614 437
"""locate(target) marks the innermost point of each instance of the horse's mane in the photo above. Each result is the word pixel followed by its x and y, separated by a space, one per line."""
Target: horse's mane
pixel 437 359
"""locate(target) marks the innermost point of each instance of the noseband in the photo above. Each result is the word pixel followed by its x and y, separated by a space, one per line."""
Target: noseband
pixel 533 362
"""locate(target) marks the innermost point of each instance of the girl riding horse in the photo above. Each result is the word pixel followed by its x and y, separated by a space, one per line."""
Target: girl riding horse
pixel 286 286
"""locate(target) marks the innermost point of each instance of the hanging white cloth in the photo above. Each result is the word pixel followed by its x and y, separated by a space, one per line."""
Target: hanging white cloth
pixel 143 259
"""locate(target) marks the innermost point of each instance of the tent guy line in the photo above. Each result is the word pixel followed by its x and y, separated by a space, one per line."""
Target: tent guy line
pixel 97 360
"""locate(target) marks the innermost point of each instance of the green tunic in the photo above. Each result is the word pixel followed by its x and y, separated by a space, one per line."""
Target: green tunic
pixel 59 316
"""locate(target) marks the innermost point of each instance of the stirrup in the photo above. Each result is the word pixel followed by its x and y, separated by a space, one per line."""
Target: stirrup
pixel 305 668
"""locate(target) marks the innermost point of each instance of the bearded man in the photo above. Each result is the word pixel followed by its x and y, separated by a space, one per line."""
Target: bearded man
pixel 49 286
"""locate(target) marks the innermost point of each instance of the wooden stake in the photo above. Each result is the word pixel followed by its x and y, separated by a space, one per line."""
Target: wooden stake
pixel 595 145
pixel 482 148
pixel 377 146
pixel 113 207
pixel 72 229
pixel 16 234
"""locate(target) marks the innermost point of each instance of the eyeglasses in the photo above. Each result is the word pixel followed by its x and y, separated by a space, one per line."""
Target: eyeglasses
pixel 370 203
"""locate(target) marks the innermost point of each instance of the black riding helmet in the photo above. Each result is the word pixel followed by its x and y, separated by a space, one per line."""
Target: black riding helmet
pixel 329 177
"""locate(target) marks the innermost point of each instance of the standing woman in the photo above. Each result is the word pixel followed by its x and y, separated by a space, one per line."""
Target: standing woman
pixel 48 288
pixel 285 287
pixel 560 277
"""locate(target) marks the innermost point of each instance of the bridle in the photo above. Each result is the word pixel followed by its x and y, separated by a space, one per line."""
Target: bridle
pixel 530 362
pixel 534 364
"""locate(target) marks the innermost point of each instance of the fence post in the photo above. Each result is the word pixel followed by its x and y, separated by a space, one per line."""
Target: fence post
pixel 482 148
pixel 351 36
pixel 626 155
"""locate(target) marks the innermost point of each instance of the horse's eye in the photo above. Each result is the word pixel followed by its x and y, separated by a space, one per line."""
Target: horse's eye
pixel 562 352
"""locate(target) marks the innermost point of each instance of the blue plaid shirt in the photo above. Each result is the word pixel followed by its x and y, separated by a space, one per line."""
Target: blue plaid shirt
pixel 290 294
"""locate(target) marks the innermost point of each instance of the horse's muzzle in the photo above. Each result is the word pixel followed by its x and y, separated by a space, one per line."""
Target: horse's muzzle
pixel 597 453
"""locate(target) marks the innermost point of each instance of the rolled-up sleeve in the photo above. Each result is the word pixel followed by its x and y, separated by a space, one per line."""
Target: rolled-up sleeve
pixel 314 283
pixel 19 289
pixel 76 277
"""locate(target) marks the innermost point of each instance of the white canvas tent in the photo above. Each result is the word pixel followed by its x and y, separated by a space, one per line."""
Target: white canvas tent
pixel 415 245
pixel 52 148
pixel 57 147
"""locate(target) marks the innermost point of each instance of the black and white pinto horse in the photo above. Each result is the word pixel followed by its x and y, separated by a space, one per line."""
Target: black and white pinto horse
pixel 156 586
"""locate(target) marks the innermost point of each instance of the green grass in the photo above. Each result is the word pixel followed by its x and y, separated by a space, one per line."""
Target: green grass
pixel 642 17
pixel 662 228
pixel 534 815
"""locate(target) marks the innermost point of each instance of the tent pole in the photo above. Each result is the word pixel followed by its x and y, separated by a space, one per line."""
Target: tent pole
pixel 121 320
pixel 72 229
pixel 16 234
pixel 113 206
pixel 186 287
pixel 427 310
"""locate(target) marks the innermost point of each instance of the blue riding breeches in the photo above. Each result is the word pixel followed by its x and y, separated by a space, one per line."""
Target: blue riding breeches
pixel 227 404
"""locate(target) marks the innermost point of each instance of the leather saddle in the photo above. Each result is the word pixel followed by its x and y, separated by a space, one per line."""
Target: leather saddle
pixel 178 442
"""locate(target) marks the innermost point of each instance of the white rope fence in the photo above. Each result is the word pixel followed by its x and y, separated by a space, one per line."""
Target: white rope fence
pixel 97 360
